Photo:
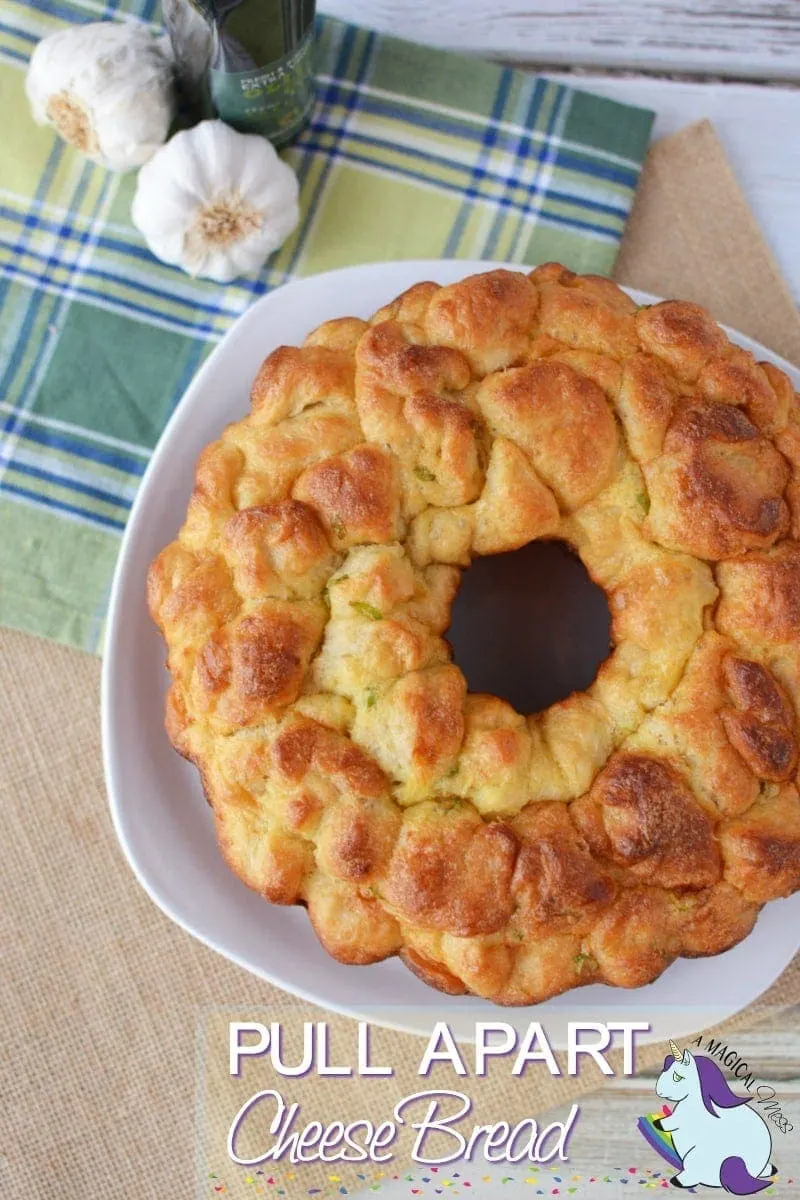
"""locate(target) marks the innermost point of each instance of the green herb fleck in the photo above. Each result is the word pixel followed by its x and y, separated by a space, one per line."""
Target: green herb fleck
pixel 424 474
pixel 580 960
pixel 372 699
pixel 339 579
pixel 367 610
pixel 453 771
pixel 644 502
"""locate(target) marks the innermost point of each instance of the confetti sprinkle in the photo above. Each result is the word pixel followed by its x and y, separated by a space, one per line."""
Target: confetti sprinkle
pixel 453 1185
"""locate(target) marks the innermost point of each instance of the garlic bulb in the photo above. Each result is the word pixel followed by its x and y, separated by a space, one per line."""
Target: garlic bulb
pixel 107 87
pixel 215 202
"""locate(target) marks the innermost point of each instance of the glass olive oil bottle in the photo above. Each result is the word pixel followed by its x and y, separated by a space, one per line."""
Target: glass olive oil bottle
pixel 249 62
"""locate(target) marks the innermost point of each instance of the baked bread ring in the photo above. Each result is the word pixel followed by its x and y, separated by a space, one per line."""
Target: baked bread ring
pixel 305 601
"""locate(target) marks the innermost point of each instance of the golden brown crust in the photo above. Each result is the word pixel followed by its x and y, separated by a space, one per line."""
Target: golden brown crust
pixel 713 919
pixel 432 972
pixel 760 597
pixel 641 815
pixel 278 550
pixel 760 724
pixel 305 600
pixel 557 884
pixel 717 488
pixel 256 665
pixel 561 420
pixel 636 938
pixel 451 871
pixel 762 847
pixel 356 496
pixel 682 335
pixel 488 318
pixel 292 379
pixel 303 746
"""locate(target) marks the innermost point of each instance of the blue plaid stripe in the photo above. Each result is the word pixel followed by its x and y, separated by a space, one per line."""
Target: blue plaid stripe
pixel 479 171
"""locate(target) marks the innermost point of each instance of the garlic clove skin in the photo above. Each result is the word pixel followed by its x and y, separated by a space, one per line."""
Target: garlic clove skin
pixel 216 202
pixel 107 88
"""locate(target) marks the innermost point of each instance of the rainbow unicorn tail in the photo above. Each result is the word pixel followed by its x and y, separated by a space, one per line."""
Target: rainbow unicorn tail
pixel 735 1178
pixel 660 1140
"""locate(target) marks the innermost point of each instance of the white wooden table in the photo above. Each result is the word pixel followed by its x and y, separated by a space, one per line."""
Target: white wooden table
pixel 749 39
pixel 738 39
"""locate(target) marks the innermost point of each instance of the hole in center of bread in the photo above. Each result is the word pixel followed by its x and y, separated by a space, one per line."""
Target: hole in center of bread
pixel 530 626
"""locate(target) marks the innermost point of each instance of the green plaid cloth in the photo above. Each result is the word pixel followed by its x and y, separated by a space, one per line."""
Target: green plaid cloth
pixel 412 153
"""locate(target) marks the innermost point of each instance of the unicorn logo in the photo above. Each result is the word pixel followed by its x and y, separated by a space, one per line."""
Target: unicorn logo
pixel 710 1133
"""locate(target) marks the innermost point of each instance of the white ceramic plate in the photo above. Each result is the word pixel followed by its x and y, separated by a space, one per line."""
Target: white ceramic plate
pixel 159 812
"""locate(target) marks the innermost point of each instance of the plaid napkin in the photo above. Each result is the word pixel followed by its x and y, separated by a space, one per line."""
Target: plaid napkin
pixel 412 153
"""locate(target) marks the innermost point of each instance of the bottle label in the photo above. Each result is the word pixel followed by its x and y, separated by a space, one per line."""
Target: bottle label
pixel 274 100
